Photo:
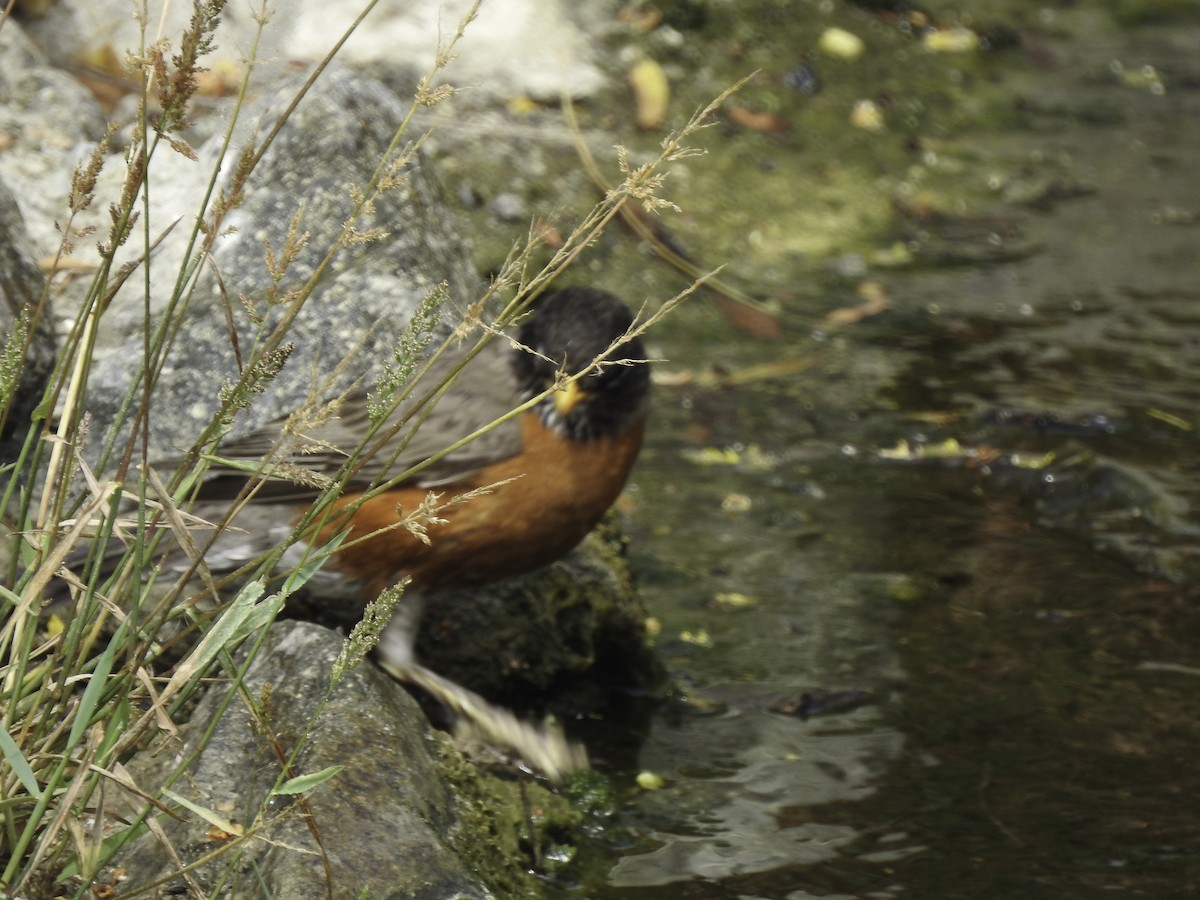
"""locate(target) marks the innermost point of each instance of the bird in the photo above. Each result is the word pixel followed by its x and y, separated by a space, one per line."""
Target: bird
pixel 575 451
pixel 535 486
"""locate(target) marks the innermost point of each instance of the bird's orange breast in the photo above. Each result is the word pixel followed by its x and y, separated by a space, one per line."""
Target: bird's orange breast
pixel 560 490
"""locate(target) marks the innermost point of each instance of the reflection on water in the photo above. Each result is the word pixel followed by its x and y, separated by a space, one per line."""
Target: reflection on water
pixel 784 684
pixel 1028 636
pixel 717 827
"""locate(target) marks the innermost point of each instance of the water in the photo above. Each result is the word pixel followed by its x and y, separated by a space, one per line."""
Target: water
pixel 996 642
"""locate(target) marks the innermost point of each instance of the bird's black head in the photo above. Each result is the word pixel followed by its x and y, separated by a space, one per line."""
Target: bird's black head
pixel 572 327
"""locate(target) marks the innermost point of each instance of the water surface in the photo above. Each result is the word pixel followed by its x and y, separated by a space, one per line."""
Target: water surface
pixel 930 593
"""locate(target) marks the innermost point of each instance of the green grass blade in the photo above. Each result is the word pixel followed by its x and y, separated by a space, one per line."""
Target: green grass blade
pixel 92 693
pixel 302 783
pixel 19 764
pixel 212 818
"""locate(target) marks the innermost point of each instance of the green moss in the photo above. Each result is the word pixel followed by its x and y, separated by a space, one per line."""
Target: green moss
pixel 561 638
pixel 1142 12
pixel 508 832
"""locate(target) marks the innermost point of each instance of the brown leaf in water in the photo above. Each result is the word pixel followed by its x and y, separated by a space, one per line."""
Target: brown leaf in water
pixel 766 123
pixel 752 320
pixel 545 231
pixel 778 368
pixel 875 300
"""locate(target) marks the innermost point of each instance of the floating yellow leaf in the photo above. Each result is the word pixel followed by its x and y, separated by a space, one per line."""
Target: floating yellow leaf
pixel 1025 461
pixel 902 451
pixel 1144 78
pixel 840 43
pixel 867 115
pixel 699 638
pixel 736 503
pixel 1170 418
pixel 673 379
pixel 651 93
pixel 713 456
pixel 734 600
pixel 650 781
pixel 898 254
pixel 950 40
pixel 937 416
pixel 947 449
pixel 751 456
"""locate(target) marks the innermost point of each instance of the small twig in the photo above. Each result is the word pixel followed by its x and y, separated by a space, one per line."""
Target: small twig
pixel 761 319
pixel 1176 668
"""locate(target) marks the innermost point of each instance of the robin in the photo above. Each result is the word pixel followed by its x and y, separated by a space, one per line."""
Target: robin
pixel 536 487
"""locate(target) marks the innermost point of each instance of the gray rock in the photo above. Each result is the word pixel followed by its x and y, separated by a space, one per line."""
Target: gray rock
pixel 385 821
pixel 508 207
pixel 331 145
pixel 49 122
pixel 537 47
pixel 21 287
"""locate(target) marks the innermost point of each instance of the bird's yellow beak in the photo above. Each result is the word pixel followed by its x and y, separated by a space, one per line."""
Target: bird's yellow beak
pixel 568 398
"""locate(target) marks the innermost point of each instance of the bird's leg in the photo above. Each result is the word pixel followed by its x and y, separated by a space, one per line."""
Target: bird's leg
pixel 545 749
pixel 398 643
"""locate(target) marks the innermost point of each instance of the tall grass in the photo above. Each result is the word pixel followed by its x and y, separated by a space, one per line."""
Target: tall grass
pixel 89 680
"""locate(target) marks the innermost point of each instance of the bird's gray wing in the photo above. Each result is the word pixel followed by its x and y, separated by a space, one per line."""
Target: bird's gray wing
pixel 480 392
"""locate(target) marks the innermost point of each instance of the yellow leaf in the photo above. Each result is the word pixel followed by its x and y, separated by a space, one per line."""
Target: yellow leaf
pixel 840 43
pixel 950 40
pixel 734 600
pixel 650 781
pixel 651 93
